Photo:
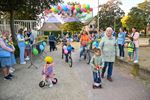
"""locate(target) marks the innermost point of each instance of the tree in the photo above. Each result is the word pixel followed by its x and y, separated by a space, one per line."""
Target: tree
pixel 30 7
pixel 72 26
pixel 138 16
pixel 110 14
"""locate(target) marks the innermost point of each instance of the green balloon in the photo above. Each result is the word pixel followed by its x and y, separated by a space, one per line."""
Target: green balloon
pixel 87 6
pixel 78 9
pixel 35 51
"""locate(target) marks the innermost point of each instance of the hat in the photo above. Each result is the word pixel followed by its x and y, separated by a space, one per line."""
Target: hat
pixel 48 59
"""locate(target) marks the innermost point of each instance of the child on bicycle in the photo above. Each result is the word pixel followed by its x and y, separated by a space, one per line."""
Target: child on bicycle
pixel 96 64
pixel 47 71
pixel 67 49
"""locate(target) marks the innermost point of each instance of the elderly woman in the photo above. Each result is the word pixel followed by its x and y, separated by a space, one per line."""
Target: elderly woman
pixel 108 52
pixel 5 56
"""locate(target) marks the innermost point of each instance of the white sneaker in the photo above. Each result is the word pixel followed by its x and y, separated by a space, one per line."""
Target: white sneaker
pixel 11 68
pixel 50 85
pixel 23 63
pixel 11 71
pixel 27 58
pixel 135 61
pixel 121 58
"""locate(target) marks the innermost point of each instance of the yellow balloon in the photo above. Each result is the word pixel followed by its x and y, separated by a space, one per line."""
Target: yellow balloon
pixel 53 9
pixel 84 6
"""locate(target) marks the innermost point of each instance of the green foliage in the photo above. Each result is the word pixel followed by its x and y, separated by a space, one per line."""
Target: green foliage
pixel 110 14
pixel 72 26
pixel 138 16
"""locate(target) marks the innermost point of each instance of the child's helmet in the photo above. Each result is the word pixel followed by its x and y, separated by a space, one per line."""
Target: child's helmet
pixel 48 59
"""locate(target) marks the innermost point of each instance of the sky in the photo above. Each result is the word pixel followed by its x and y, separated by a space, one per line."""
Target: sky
pixel 127 4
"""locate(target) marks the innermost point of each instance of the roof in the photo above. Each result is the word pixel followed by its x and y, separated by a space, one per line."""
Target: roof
pixel 51 27
pixel 89 21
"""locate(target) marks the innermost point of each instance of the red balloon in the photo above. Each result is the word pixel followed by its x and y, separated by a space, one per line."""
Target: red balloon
pixel 91 9
pixel 73 8
pixel 59 7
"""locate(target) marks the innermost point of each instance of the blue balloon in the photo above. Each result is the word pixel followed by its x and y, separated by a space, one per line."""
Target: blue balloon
pixel 41 47
pixel 69 48
pixel 44 43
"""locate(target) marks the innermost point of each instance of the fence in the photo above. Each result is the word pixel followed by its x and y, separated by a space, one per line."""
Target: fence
pixel 28 24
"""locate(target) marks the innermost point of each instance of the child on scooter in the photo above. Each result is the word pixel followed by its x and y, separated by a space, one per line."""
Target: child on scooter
pixel 96 64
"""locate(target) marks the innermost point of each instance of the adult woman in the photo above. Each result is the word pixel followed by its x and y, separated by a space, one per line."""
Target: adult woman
pixel 5 56
pixel 121 42
pixel 21 45
pixel 135 35
pixel 107 46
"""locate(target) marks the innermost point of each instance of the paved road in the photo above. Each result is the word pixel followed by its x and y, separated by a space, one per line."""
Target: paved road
pixel 73 83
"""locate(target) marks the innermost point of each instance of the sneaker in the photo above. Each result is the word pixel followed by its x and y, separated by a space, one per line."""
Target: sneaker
pixel 50 85
pixel 27 58
pixel 121 58
pixel 10 75
pixel 135 61
pixel 11 71
pixel 23 63
pixel 109 79
pixel 7 78
pixel 11 68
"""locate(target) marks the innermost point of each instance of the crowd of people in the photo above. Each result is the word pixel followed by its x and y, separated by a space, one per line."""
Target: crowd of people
pixel 104 45
pixel 7 49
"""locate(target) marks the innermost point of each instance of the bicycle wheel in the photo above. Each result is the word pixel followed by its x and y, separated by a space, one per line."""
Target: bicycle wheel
pixel 70 61
pixel 88 57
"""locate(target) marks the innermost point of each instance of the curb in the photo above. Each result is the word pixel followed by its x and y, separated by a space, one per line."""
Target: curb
pixel 144 73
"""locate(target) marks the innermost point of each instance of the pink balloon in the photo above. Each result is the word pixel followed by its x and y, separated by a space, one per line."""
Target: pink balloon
pixel 68 6
pixel 75 11
pixel 91 9
pixel 65 51
pixel 82 9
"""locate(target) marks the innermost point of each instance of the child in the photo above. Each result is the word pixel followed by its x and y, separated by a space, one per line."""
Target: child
pixel 47 71
pixel 131 47
pixel 96 64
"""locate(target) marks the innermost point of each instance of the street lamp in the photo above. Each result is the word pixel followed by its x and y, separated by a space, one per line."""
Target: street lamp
pixel 98 16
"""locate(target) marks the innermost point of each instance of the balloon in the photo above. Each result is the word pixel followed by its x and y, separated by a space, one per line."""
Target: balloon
pixel 84 10
pixel 79 6
pixel 73 8
pixel 68 6
pixel 88 6
pixel 64 7
pixel 26 42
pixel 53 9
pixel 88 11
pixel 91 9
pixel 59 7
pixel 75 11
pixel 41 47
pixel 69 48
pixel 78 9
pixel 44 43
pixel 84 6
pixel 35 51
pixel 65 51
pixel 76 6
pixel 65 47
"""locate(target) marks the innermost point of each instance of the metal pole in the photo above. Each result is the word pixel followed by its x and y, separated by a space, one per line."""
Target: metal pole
pixel 98 16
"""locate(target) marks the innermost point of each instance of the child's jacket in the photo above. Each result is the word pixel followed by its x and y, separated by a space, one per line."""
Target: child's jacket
pixel 96 61
pixel 131 46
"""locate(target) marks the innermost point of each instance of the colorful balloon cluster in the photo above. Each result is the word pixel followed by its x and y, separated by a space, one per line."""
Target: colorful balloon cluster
pixel 41 47
pixel 73 9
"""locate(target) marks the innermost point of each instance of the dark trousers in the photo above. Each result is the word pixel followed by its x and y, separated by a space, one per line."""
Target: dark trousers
pixel 52 45
pixel 110 69
pixel 121 50
pixel 96 77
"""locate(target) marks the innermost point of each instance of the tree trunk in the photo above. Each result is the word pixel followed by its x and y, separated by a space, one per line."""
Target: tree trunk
pixel 12 25
pixel 145 31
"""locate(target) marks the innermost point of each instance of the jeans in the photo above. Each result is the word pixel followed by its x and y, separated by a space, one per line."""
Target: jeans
pixel 96 77
pixel 110 69
pixel 82 49
pixel 121 50
pixel 22 50
pixel 136 54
